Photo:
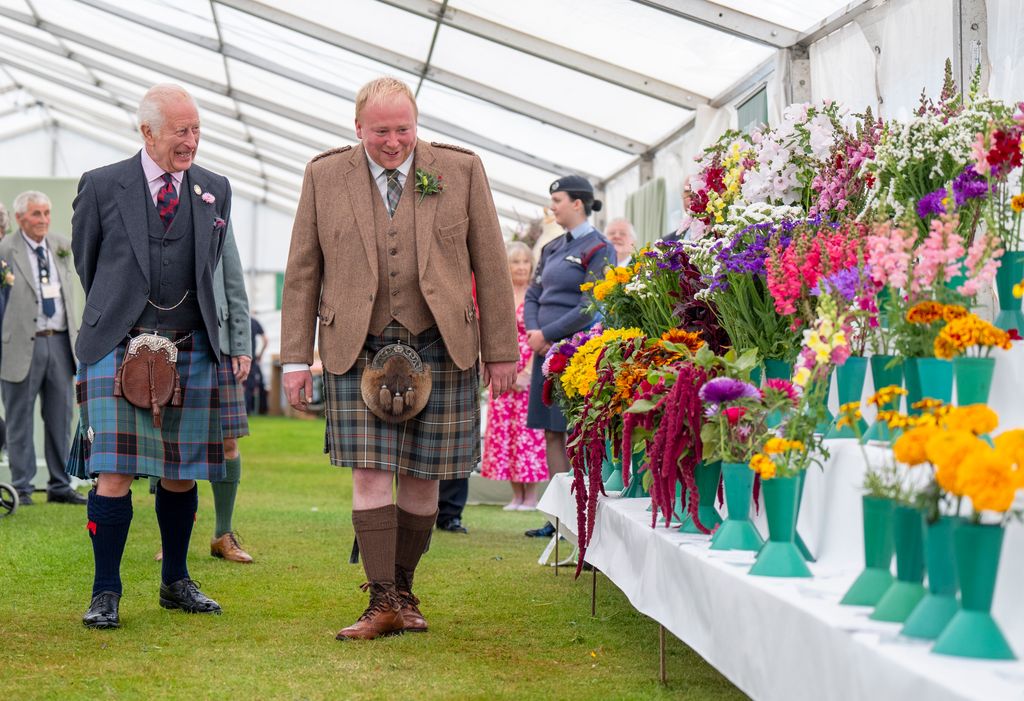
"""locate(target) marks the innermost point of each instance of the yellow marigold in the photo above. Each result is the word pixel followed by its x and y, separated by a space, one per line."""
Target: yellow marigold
pixel 581 373
pixel 622 275
pixel 886 395
pixel 690 339
pixel 1017 202
pixel 968 331
pixel 894 419
pixel 974 418
pixel 763 465
pixel 586 287
pixel 947 450
pixel 925 312
pixel 951 312
pixel 602 289
pixel 849 415
pixel 928 404
pixel 774 445
pixel 1011 444
pixel 910 447
pixel 988 478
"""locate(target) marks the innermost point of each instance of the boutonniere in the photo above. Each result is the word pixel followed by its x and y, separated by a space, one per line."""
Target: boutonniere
pixel 219 224
pixel 6 276
pixel 427 183
pixel 63 252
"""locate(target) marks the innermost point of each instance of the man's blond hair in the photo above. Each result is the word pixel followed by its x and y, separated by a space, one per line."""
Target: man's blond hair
pixel 380 89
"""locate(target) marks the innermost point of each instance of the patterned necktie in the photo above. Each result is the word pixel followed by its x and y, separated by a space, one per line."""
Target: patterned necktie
pixel 167 201
pixel 394 189
pixel 49 306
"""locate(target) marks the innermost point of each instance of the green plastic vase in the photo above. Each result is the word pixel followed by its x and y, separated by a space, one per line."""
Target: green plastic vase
pixel 780 557
pixel 973 379
pixel 1009 274
pixel 737 531
pixel 936 609
pixel 800 544
pixel 973 632
pixel 876 578
pixel 636 490
pixel 928 377
pixel 850 378
pixel 884 376
pixel 707 476
pixel 775 369
pixel 907 589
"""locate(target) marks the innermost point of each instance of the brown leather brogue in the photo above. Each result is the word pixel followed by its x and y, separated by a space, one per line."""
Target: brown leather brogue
pixel 228 548
pixel 411 615
pixel 381 618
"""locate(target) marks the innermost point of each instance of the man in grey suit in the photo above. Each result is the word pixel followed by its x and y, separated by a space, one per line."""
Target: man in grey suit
pixel 148 234
pixel 39 333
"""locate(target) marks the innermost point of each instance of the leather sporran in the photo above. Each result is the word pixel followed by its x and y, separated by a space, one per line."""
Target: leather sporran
pixel 148 377
pixel 396 384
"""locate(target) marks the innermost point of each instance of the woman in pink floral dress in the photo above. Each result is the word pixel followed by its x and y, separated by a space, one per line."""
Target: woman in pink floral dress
pixel 513 452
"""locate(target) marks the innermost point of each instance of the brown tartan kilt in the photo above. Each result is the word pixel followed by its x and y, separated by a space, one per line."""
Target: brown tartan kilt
pixel 441 442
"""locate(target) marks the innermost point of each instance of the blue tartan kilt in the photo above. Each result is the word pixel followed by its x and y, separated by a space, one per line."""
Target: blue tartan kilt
pixel 234 422
pixel 441 442
pixel 116 437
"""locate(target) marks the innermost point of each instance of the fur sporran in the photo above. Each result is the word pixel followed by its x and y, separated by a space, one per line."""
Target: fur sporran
pixel 396 384
pixel 148 377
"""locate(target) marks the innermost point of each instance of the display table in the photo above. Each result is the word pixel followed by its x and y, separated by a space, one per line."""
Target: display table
pixel 789 639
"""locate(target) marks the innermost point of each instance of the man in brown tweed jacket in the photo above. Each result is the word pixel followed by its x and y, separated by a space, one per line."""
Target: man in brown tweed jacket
pixel 388 238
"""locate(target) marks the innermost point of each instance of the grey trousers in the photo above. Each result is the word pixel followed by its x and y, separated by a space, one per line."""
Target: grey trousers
pixel 51 378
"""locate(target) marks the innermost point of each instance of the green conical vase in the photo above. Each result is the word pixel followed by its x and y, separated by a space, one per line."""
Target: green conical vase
pixel 1009 274
pixel 737 531
pixel 776 370
pixel 876 578
pixel 939 604
pixel 707 475
pixel 907 589
pixel 973 379
pixel 884 376
pixel 636 490
pixel 850 378
pixel 800 545
pixel 780 557
pixel 973 632
pixel 928 377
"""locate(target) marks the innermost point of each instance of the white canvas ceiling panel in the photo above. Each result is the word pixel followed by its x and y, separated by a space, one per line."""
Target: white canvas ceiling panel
pixel 795 14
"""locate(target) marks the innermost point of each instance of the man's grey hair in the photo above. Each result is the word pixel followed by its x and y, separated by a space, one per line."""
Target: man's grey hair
pixel 629 225
pixel 151 108
pixel 5 220
pixel 22 201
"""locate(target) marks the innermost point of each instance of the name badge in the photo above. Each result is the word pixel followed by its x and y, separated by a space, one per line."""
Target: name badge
pixel 51 290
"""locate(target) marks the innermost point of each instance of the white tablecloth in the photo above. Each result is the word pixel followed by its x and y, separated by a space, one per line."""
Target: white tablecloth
pixel 789 639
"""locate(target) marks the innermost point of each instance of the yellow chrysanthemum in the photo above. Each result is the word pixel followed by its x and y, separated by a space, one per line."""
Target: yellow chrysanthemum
pixel 928 404
pixel 586 287
pixel 910 447
pixel 974 418
pixel 690 339
pixel 989 479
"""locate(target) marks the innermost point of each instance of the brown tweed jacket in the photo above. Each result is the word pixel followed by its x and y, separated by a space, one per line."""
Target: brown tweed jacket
pixel 332 262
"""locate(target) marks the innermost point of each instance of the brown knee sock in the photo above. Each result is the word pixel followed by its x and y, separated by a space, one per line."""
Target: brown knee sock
pixel 413 535
pixel 376 530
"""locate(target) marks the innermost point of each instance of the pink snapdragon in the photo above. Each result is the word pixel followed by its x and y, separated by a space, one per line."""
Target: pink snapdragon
pixel 939 255
pixel 888 254
pixel 982 262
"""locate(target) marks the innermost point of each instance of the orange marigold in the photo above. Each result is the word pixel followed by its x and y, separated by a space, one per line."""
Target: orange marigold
pixel 925 312
pixel 690 339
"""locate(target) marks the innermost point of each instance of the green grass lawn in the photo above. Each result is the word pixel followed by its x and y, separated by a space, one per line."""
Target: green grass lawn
pixel 501 626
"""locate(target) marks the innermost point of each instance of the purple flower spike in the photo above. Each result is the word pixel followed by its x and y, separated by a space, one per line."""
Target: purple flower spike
pixel 727 389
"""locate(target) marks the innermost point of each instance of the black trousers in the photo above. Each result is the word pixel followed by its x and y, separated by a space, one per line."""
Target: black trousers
pixel 451 499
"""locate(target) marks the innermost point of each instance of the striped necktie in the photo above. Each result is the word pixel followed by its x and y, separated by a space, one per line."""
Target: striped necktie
pixel 394 189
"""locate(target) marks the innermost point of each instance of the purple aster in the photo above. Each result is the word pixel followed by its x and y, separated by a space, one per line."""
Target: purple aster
pixel 727 389
pixel 931 204
pixel 969 186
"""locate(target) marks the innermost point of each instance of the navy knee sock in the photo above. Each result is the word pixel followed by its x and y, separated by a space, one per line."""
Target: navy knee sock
pixel 109 519
pixel 176 514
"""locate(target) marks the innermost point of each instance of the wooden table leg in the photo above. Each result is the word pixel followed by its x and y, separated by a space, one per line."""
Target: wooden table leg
pixel 593 592
pixel 557 531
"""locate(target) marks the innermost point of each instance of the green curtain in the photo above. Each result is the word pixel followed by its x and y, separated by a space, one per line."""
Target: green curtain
pixel 645 209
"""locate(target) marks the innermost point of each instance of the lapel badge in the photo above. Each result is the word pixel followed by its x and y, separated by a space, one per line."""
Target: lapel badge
pixel 198 190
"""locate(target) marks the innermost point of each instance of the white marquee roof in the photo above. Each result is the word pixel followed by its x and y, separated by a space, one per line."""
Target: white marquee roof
pixel 537 87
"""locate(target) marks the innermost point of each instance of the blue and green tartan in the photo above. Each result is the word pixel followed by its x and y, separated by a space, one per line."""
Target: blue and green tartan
pixel 116 437
pixel 234 422
pixel 441 442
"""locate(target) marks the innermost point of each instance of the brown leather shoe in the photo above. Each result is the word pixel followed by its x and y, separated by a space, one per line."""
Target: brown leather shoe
pixel 228 547
pixel 382 617
pixel 414 621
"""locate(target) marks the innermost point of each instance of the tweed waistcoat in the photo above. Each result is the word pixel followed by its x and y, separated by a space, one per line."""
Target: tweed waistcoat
pixel 398 284
pixel 172 269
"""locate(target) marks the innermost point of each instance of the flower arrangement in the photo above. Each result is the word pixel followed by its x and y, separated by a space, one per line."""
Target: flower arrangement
pixel 997 155
pixel 969 335
pixel 717 183
pixel 842 185
pixel 428 183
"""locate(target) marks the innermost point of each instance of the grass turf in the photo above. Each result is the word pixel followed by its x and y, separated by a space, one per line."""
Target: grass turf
pixel 501 626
